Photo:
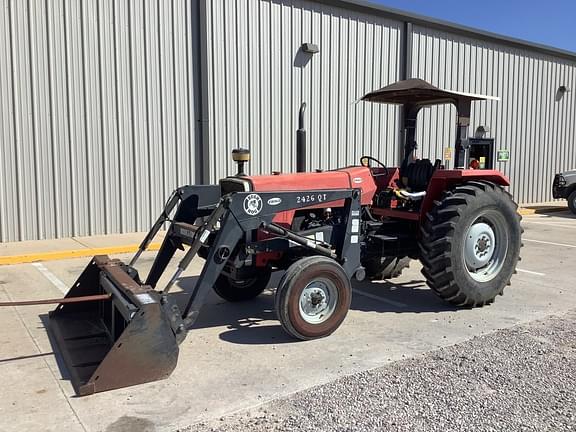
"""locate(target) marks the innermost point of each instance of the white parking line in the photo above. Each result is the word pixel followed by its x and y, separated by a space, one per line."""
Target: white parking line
pixel 550 224
pixel 531 272
pixel 383 300
pixel 550 243
pixel 51 277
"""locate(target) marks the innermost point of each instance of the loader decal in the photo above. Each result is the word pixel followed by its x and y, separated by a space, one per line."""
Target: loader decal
pixel 321 197
pixel 274 201
pixel 253 204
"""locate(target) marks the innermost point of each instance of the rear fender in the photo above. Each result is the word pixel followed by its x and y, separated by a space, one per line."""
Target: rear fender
pixel 444 180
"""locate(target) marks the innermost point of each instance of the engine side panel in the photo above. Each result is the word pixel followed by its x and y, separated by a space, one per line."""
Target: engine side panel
pixel 346 178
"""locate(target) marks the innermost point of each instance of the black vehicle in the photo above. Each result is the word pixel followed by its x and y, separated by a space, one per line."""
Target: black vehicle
pixel 564 186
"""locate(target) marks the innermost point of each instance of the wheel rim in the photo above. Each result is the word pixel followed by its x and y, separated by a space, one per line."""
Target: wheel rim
pixel 318 301
pixel 486 247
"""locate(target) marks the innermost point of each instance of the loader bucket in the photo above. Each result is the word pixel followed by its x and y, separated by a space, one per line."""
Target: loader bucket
pixel 125 340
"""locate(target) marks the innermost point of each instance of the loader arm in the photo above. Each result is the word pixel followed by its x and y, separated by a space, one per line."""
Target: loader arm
pixel 236 218
pixel 193 202
pixel 130 333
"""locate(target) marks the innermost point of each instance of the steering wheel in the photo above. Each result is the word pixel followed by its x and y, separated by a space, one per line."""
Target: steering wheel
pixel 365 162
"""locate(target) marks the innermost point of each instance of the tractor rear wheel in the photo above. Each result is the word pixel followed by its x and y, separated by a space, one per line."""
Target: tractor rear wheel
pixel 382 268
pixel 572 202
pixel 313 297
pixel 471 244
pixel 241 290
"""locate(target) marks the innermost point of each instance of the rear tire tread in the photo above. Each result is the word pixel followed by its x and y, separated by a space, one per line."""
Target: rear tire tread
pixel 436 241
pixel 386 268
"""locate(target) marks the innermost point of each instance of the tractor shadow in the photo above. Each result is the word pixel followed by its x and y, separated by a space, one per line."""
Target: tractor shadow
pixel 254 322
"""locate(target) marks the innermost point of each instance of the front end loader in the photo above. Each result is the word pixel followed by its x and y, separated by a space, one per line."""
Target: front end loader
pixel 131 334
pixel 321 229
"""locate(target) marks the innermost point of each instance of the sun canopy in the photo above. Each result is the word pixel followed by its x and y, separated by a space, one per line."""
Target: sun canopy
pixel 421 93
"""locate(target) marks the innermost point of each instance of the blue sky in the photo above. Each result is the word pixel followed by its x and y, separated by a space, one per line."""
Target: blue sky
pixel 548 22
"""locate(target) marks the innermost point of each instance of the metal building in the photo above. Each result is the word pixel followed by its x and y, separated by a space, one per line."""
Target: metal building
pixel 107 105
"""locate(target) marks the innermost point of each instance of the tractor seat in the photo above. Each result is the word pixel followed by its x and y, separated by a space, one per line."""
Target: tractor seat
pixel 416 175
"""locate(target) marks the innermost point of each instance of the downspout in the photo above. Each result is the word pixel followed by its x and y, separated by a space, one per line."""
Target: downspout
pixel 202 139
pixel 405 73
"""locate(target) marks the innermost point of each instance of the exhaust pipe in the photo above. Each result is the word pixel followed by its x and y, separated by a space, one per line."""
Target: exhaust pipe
pixel 301 141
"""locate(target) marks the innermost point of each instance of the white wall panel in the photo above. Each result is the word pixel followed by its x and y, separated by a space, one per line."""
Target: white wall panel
pixel 258 78
pixel 97 115
pixel 100 100
pixel 529 119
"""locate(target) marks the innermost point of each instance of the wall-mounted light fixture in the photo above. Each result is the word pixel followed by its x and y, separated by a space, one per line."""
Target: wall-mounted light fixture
pixel 481 131
pixel 310 48
pixel 562 90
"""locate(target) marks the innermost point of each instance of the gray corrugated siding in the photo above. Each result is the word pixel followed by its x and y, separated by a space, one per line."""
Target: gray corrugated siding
pixel 96 116
pixel 99 101
pixel 528 120
pixel 257 80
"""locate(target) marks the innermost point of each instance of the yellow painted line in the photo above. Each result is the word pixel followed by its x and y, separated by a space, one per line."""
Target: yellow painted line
pixel 78 253
pixel 527 211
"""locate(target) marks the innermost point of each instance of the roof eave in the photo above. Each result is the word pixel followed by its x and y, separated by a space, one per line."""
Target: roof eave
pixel 397 14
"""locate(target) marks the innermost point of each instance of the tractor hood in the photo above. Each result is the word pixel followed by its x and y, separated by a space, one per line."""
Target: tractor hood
pixel 345 178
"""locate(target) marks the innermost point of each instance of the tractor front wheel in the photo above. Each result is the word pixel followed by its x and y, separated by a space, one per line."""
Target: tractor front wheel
pixel 313 297
pixel 241 290
pixel 471 244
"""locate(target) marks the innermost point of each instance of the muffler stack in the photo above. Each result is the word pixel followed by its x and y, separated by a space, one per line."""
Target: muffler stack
pixel 125 340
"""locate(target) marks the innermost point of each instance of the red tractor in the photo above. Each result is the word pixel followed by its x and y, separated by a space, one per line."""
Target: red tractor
pixel 322 229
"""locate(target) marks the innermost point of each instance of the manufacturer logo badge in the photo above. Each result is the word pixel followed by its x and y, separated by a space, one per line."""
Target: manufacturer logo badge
pixel 274 201
pixel 357 180
pixel 253 204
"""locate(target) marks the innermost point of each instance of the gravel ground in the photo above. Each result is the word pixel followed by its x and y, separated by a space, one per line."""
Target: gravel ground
pixel 518 379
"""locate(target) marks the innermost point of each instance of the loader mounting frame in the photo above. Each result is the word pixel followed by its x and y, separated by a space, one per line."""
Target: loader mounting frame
pixel 132 336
